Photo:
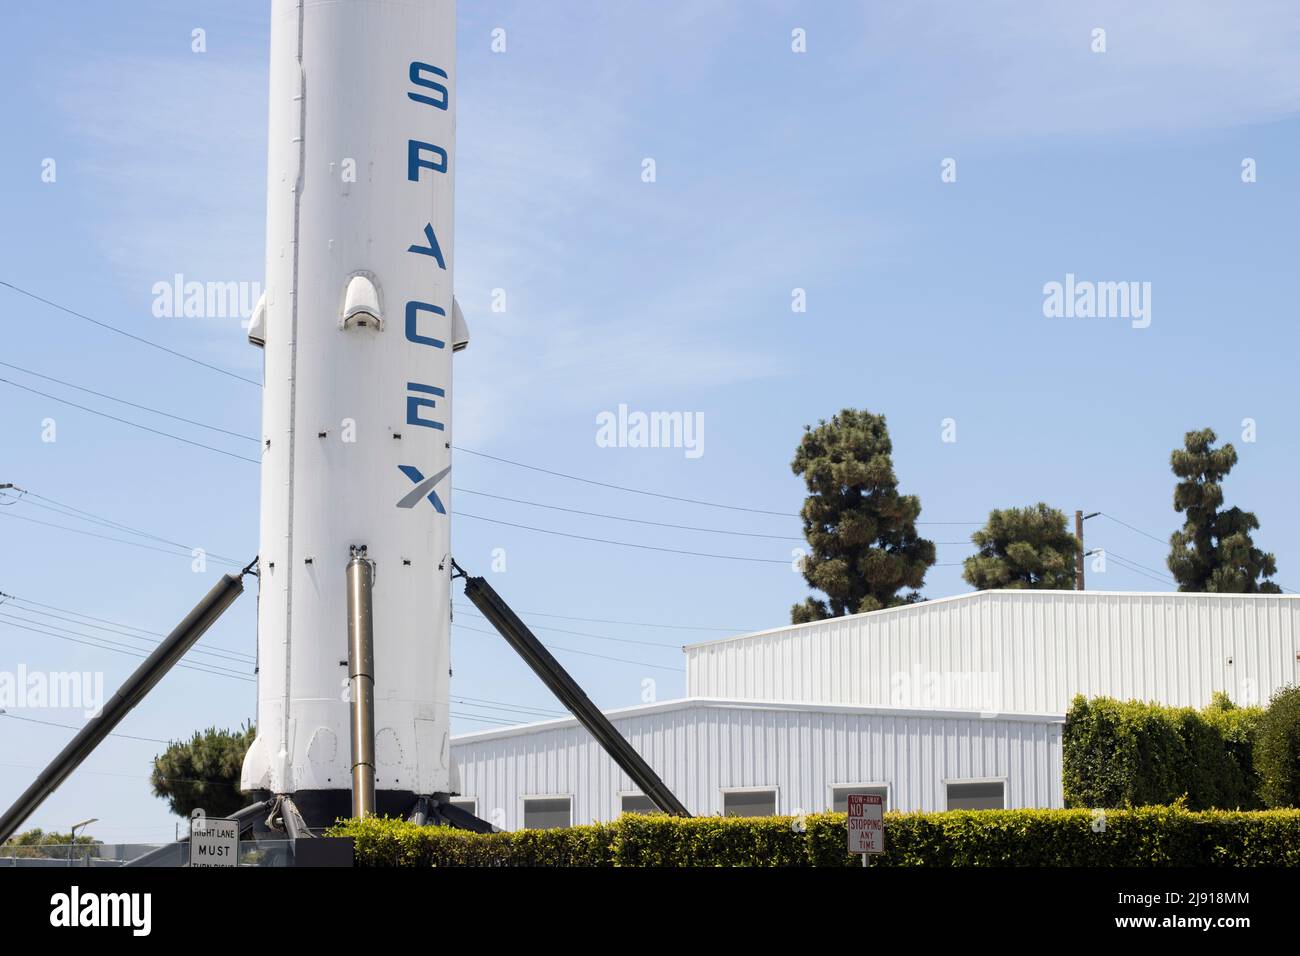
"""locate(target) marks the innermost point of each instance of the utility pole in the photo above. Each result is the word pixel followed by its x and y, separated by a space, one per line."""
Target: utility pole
pixel 1079 519
pixel 75 827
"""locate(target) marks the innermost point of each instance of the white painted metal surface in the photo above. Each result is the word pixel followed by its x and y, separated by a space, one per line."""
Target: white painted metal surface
pixel 358 335
pixel 701 747
pixel 1017 651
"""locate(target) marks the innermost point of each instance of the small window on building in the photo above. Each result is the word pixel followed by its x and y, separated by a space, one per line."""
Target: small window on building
pixel 840 795
pixel 637 803
pixel 983 795
pixel 749 803
pixel 546 813
pixel 468 804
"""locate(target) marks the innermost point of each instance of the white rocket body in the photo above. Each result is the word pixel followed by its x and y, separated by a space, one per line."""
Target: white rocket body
pixel 358 328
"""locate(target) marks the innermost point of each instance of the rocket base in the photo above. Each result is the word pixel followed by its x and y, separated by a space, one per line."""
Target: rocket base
pixel 321 809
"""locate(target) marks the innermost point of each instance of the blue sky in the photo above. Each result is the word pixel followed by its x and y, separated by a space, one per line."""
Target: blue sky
pixel 775 171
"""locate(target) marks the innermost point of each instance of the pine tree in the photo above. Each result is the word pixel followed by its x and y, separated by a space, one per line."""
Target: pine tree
pixel 203 773
pixel 1214 551
pixel 861 531
pixel 1023 548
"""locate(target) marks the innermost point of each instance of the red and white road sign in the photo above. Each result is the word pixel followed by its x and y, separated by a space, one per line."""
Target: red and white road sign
pixel 866 823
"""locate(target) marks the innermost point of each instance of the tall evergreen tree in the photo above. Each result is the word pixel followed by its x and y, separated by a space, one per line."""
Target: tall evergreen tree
pixel 1214 551
pixel 1023 548
pixel 203 772
pixel 861 531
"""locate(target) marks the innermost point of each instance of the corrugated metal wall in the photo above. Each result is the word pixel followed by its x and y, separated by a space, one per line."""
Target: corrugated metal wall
pixel 1027 652
pixel 701 748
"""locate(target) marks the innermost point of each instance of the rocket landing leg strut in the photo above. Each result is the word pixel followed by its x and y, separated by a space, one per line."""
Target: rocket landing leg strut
pixel 564 687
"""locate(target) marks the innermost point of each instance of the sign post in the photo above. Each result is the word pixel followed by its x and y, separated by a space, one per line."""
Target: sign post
pixel 214 842
pixel 866 825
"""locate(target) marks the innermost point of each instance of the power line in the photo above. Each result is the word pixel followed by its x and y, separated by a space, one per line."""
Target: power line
pixel 106 537
pixel 656 494
pixel 100 620
pixel 657 524
pixel 1163 541
pixel 1135 568
pixel 565 534
pixel 468 451
pixel 122 401
pixel 107 644
pixel 1131 528
pixel 473 492
pixel 470 491
pixel 574 650
pixel 64 401
pixel 51 723
pixel 675 627
pixel 466 715
pixel 157 740
pixel 498 705
pixel 257 462
pixel 635 491
pixel 108 773
pixel 465 514
pixel 69 511
pixel 598 637
pixel 222 655
pixel 233 562
pixel 624 544
pixel 145 408
pixel 129 335
pixel 1156 571
pixel 456 699
pixel 134 652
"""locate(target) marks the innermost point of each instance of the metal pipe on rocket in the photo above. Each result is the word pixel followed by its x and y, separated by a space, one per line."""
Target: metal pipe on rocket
pixel 358 325
pixel 361 675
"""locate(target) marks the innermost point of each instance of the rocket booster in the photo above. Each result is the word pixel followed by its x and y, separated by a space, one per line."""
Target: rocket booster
pixel 358 326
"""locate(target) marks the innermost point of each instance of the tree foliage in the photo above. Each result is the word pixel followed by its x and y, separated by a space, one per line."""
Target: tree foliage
pixel 861 532
pixel 1277 750
pixel 203 772
pixel 1131 753
pixel 1023 548
pixel 1213 551
pixel 38 844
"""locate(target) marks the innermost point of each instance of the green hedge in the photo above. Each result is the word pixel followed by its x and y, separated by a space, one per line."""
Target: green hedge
pixel 1140 837
pixel 1127 753
pixel 1277 750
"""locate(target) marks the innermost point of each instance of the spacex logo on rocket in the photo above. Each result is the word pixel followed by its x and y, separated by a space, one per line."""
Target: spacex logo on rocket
pixel 424 488
pixel 419 157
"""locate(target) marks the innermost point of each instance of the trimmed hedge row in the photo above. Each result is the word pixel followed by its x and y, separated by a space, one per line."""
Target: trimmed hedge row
pixel 1140 837
pixel 1277 749
pixel 1128 753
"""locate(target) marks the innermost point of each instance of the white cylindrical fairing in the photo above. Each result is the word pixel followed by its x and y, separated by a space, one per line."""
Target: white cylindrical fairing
pixel 358 336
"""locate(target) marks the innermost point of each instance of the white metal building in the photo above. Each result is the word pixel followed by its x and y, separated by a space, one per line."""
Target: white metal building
pixel 1021 651
pixel 957 702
